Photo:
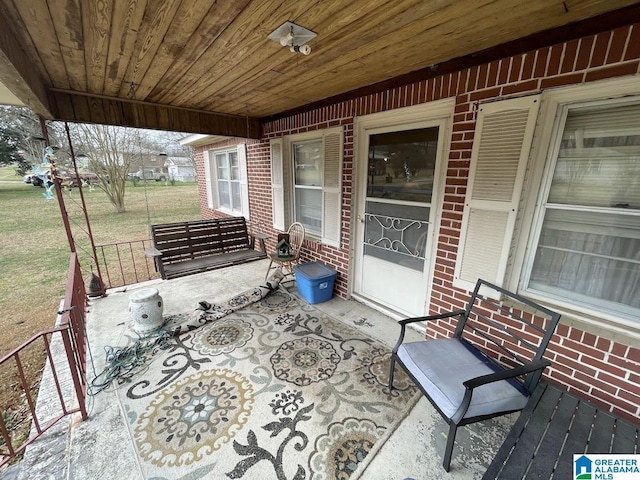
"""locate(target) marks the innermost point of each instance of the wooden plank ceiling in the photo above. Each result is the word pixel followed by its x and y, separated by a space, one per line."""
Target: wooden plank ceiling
pixel 208 66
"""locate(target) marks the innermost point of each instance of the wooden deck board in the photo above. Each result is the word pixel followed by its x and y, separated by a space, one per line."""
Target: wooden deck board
pixel 204 264
pixel 552 441
pixel 553 427
pixel 529 438
pixel 577 439
pixel 601 434
pixel 625 435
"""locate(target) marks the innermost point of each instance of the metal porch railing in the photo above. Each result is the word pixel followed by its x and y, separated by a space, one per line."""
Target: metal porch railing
pixel 124 263
pixel 65 348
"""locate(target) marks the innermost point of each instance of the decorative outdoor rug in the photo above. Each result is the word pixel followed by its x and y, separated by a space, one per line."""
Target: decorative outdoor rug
pixel 276 389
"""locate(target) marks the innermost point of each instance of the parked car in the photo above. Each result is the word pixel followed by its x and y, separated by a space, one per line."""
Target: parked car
pixel 148 174
pixel 27 178
pixel 86 178
pixel 38 181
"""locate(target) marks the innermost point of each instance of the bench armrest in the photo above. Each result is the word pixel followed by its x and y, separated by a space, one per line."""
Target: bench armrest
pixel 494 377
pixel 432 317
pixel 153 252
pixel 405 322
pixel 509 373
pixel 252 240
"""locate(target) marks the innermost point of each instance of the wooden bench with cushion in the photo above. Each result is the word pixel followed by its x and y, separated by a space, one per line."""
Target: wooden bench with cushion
pixel 186 248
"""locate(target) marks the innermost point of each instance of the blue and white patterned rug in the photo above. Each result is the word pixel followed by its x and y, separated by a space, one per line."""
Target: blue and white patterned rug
pixel 275 390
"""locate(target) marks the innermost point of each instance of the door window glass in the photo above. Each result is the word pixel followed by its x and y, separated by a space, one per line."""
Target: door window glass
pixel 399 188
pixel 402 165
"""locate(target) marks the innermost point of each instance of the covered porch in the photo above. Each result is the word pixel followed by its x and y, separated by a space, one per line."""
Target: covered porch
pixel 103 447
pixel 216 73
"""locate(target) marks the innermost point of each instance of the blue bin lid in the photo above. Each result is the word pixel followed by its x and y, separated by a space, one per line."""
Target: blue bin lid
pixel 314 270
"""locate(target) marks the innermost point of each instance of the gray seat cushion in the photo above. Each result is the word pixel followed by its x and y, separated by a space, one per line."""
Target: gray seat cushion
pixel 441 366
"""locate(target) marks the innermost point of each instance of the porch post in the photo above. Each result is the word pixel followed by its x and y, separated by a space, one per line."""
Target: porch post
pixel 101 289
pixel 56 180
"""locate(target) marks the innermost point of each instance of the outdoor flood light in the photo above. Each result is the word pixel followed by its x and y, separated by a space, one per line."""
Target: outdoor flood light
pixel 303 49
pixel 293 36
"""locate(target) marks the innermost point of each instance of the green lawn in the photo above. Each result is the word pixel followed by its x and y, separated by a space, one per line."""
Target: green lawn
pixel 35 254
pixel 9 173
pixel 34 257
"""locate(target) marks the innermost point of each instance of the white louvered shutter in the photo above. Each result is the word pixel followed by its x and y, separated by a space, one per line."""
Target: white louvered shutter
pixel 244 185
pixel 277 185
pixel 501 147
pixel 331 188
pixel 210 180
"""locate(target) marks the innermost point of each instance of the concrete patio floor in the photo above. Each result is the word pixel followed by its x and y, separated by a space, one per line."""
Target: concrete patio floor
pixel 101 447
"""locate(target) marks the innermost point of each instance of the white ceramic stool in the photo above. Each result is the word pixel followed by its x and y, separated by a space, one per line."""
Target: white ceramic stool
pixel 145 309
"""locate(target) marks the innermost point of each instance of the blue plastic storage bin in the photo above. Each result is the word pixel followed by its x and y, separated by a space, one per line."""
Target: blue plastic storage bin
pixel 315 281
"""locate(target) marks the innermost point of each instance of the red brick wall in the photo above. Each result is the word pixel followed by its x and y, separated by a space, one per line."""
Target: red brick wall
pixel 205 211
pixel 607 372
pixel 338 258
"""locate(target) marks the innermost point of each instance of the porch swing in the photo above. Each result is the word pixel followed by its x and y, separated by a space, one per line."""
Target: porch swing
pixel 186 248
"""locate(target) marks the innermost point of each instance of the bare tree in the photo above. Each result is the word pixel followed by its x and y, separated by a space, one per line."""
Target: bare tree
pixel 170 142
pixel 105 146
pixel 190 153
pixel 21 141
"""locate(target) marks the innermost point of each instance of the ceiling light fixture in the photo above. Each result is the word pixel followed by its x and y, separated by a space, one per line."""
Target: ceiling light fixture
pixel 303 49
pixel 293 36
pixel 285 40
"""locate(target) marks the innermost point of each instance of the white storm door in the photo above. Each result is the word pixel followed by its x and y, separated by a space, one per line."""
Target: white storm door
pixel 396 224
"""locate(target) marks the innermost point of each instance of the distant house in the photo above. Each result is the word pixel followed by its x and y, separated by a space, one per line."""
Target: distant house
pixel 181 169
pixel 144 158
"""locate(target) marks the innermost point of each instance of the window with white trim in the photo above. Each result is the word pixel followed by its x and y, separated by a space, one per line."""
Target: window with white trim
pixel 307 184
pixel 585 249
pixel 552 208
pixel 226 178
pixel 306 173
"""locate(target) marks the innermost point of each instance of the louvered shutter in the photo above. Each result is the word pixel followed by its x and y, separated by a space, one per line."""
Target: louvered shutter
pixel 244 185
pixel 331 188
pixel 277 185
pixel 501 147
pixel 210 181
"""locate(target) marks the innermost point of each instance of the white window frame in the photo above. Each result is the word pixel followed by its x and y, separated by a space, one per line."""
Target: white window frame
pixel 551 119
pixel 282 181
pixel 317 188
pixel 212 179
pixel 225 155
